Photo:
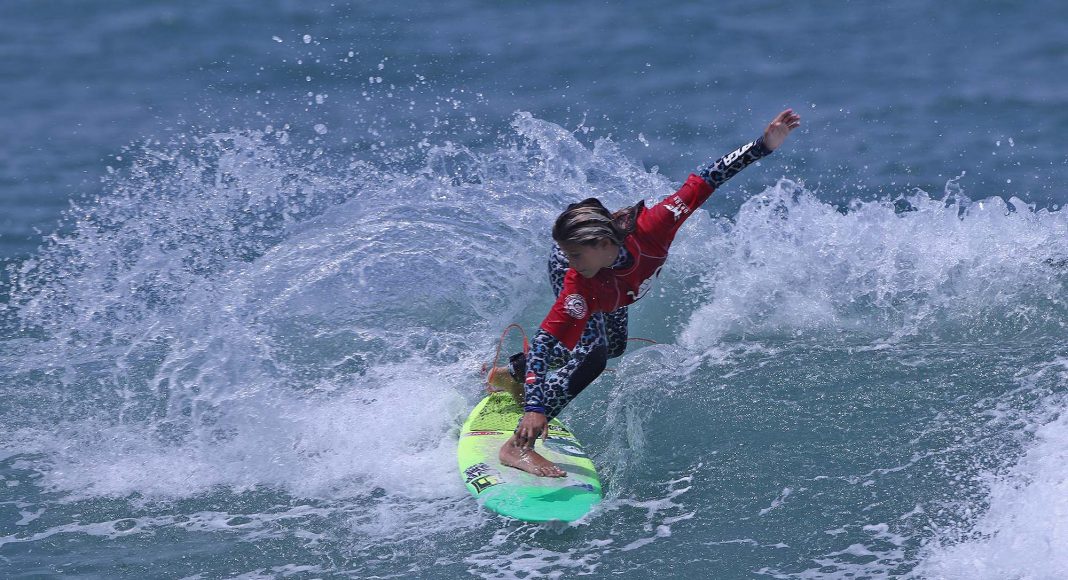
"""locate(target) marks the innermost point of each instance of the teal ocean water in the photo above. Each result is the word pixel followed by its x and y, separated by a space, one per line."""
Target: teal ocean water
pixel 254 254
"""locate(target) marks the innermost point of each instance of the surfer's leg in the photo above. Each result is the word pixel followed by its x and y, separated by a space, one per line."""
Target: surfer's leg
pixel 586 372
pixel 615 324
pixel 509 378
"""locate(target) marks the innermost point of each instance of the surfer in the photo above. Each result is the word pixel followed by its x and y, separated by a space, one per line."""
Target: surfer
pixel 601 263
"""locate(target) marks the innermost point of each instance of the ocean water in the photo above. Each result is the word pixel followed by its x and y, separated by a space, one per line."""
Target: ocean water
pixel 254 253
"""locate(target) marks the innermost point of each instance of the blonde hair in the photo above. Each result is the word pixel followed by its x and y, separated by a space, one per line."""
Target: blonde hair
pixel 588 222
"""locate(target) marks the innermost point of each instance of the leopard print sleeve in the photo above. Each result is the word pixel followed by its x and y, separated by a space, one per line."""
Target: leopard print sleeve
pixel 730 164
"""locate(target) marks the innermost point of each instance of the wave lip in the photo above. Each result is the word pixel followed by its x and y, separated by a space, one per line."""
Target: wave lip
pixel 913 268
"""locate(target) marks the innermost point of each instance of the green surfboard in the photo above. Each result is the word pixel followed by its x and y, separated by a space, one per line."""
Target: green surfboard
pixel 514 493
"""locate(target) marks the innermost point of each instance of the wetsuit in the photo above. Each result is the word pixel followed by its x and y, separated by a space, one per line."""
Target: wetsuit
pixel 587 324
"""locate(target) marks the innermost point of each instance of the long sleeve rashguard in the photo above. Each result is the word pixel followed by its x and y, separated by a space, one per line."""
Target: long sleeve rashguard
pixel 558 348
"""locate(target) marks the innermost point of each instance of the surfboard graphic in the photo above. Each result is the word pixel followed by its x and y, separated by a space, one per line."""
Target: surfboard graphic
pixel 514 493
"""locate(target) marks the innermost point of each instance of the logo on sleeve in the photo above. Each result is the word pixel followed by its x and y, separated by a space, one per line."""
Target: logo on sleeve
pixel 575 306
pixel 677 207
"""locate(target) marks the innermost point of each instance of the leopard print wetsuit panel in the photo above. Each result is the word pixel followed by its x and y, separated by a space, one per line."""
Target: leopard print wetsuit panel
pixel 568 372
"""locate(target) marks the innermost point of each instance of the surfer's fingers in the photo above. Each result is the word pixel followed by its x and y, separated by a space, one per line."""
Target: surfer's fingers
pixel 788 118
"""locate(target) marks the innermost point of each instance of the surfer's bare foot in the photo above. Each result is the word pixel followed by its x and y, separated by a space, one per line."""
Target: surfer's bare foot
pixel 528 460
pixel 499 379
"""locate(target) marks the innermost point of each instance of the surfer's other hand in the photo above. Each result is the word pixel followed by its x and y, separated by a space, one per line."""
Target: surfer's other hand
pixel 780 127
pixel 530 427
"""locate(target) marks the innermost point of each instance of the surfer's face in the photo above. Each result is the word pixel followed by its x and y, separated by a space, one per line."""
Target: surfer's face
pixel 587 260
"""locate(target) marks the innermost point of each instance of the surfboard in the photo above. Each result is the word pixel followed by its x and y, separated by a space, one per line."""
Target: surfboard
pixel 514 493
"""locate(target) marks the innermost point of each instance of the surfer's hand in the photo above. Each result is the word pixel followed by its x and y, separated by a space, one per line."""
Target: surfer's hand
pixel 530 427
pixel 780 127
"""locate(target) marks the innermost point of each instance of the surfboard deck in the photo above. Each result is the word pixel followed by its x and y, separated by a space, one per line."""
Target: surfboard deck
pixel 514 493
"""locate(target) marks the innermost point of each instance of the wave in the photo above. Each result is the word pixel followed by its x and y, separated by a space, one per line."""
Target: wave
pixel 1019 525
pixel 238 312
pixel 912 268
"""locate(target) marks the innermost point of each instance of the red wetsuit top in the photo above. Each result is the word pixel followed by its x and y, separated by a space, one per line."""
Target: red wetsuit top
pixel 648 246
pixel 645 251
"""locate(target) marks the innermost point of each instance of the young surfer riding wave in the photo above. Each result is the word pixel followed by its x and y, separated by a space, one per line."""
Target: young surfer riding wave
pixel 601 263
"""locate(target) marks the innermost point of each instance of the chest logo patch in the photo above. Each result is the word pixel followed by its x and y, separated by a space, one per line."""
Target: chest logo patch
pixel 575 306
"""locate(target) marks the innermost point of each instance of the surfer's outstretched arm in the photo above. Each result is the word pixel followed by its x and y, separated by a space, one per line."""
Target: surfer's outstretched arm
pixel 718 172
pixel 726 167
pixel 665 218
